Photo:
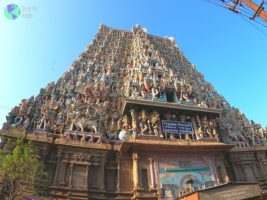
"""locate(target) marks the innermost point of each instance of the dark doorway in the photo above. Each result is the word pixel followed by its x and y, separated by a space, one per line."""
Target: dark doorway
pixel 144 179
pixel 170 96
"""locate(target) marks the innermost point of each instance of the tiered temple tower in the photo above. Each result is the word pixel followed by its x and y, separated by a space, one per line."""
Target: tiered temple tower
pixel 133 119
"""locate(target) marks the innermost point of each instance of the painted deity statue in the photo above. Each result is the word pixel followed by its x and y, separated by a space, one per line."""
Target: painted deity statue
pixel 183 90
pixel 144 122
pixel 134 123
pixel 124 133
pixel 155 123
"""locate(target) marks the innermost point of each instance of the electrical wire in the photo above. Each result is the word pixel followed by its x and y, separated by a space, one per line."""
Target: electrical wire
pixel 262 24
pixel 242 11
pixel 248 10
pixel 249 21
pixel 214 3
pixel 3 107
pixel 251 14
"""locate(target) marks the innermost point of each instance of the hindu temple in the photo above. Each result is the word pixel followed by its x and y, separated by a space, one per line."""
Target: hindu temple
pixel 132 119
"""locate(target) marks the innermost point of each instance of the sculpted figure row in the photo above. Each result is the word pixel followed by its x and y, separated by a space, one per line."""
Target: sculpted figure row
pixel 122 64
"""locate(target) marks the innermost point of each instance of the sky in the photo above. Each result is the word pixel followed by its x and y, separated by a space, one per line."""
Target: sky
pixel 41 44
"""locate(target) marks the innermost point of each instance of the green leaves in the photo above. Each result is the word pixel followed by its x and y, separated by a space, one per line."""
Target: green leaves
pixel 20 170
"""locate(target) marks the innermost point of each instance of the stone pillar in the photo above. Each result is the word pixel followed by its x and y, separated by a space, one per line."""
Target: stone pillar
pixel 118 174
pixel 152 173
pixel 259 158
pixel 61 172
pixel 249 173
pixel 95 175
pixel 213 170
pixel 86 175
pixel 223 170
pixel 71 173
pixel 135 171
pixel 43 153
pixel 58 165
pixel 102 176
pixel 238 172
pixel 194 123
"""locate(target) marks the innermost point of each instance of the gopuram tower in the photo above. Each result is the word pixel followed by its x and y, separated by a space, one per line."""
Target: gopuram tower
pixel 132 118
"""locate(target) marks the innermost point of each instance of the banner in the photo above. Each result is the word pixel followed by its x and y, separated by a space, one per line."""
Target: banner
pixel 177 127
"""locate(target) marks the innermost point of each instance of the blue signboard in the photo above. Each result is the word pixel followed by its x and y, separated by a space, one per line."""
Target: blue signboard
pixel 177 127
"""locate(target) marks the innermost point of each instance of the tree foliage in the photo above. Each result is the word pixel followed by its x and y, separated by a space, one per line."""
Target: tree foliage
pixel 20 170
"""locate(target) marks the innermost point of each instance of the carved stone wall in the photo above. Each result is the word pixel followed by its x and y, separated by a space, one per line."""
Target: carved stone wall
pixel 78 173
pixel 81 114
pixel 249 166
pixel 82 173
pixel 84 104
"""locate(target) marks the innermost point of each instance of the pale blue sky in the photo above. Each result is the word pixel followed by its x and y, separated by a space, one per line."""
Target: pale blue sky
pixel 229 51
